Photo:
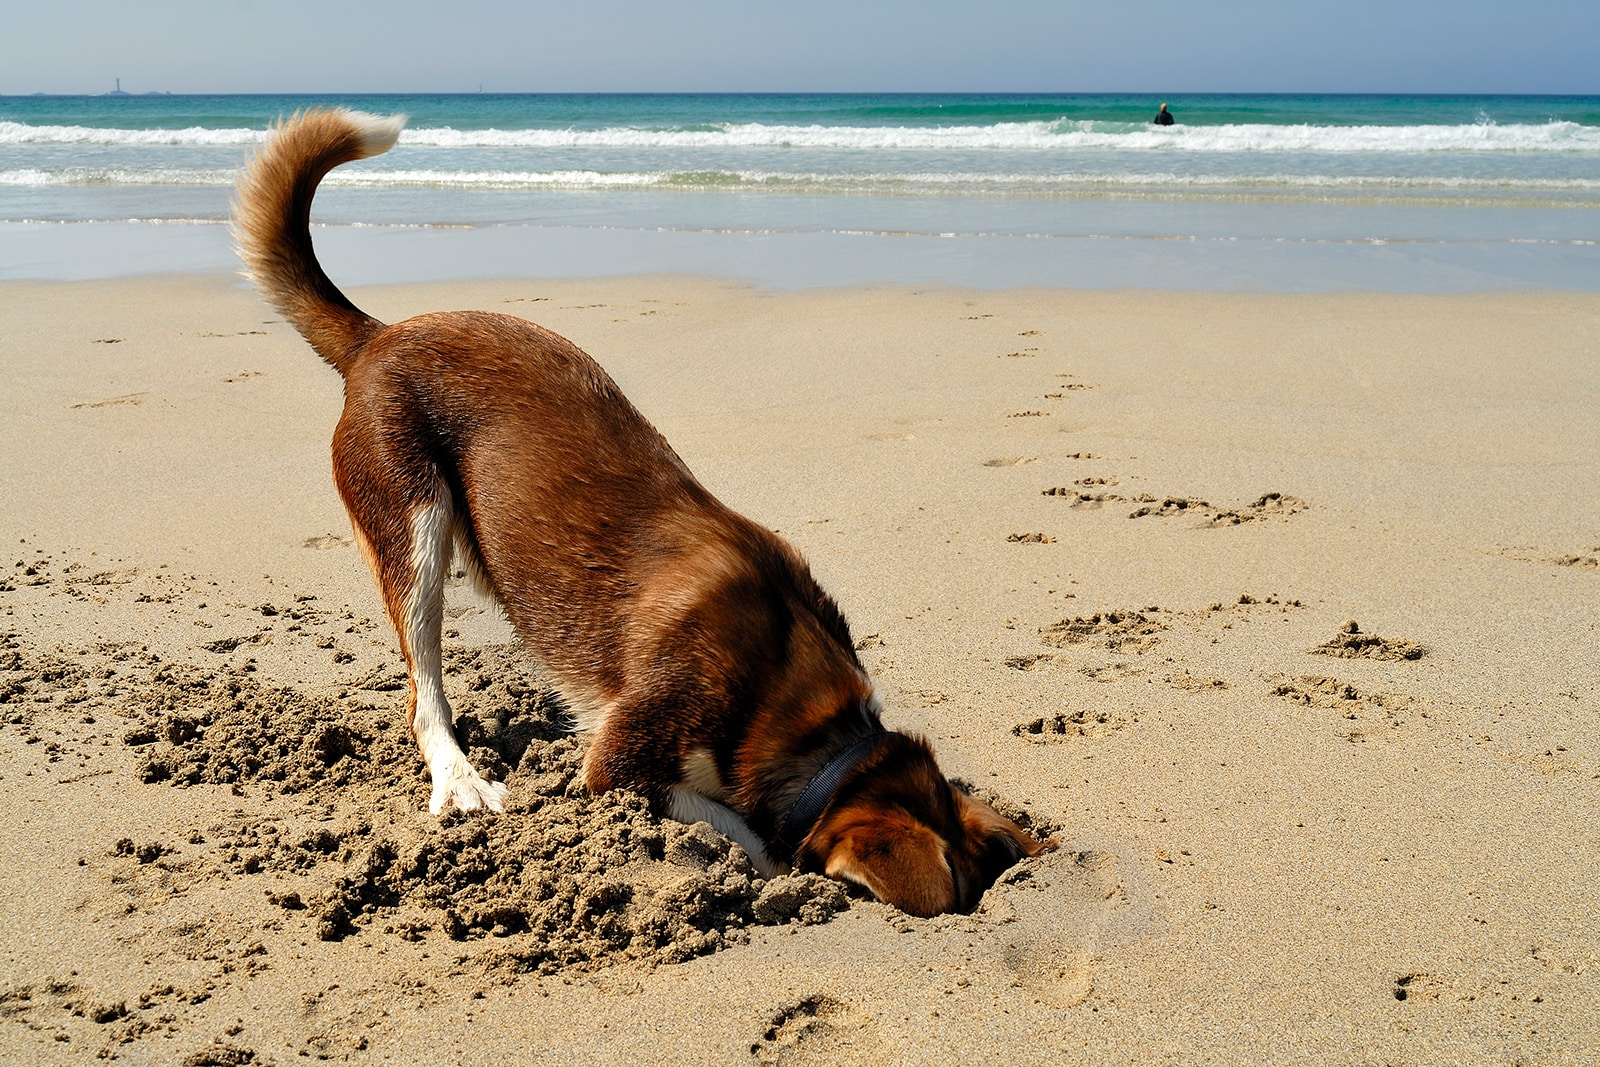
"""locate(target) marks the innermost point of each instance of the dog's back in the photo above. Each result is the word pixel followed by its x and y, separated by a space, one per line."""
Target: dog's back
pixel 492 436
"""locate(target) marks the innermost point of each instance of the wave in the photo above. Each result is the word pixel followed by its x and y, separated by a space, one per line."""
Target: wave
pixel 34 176
pixel 18 133
pixel 1045 136
pixel 1063 134
pixel 883 183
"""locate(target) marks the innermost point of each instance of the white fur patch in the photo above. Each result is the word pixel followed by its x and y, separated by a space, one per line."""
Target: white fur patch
pixel 454 780
pixel 690 807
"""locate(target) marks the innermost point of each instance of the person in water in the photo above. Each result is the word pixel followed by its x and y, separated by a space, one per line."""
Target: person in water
pixel 1163 117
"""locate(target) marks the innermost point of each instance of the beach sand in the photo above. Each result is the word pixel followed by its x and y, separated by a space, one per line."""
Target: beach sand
pixel 1280 610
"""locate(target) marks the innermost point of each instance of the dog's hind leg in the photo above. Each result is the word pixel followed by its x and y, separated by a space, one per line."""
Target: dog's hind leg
pixel 432 722
pixel 406 528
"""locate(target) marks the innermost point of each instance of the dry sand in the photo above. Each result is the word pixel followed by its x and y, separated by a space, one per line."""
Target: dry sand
pixel 1281 610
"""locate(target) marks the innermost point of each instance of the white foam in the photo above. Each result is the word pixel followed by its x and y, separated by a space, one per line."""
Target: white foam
pixel 1562 137
pixel 17 133
pixel 35 176
pixel 898 183
pixel 1044 136
pixel 497 179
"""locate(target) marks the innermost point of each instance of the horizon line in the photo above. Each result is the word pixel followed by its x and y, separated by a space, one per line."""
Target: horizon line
pixel 1169 92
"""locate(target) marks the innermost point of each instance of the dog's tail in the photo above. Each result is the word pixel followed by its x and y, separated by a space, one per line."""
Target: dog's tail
pixel 272 223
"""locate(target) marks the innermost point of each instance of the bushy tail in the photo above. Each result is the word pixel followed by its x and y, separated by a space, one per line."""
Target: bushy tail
pixel 272 223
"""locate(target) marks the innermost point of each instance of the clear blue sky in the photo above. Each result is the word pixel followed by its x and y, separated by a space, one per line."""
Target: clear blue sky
pixel 1164 46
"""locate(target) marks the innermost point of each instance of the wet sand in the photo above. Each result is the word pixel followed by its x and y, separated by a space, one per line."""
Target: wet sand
pixel 1280 610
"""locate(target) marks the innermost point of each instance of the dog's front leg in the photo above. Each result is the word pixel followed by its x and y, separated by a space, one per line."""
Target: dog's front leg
pixel 625 752
pixel 691 807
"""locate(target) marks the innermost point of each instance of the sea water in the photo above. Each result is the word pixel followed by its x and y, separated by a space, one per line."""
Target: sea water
pixel 1271 192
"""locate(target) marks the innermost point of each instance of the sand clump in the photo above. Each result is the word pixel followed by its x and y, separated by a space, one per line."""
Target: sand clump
pixel 1351 643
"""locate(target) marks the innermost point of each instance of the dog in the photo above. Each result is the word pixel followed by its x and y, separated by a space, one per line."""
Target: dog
pixel 713 673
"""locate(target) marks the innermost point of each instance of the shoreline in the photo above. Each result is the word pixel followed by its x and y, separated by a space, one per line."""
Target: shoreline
pixel 1100 551
pixel 379 254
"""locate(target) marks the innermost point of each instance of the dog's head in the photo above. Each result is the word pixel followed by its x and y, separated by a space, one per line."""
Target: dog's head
pixel 903 832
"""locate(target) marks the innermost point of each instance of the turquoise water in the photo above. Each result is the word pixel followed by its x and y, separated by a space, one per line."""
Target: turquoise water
pixel 1245 191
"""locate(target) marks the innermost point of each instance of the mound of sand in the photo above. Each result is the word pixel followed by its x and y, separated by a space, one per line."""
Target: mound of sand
pixel 565 879
pixel 1351 643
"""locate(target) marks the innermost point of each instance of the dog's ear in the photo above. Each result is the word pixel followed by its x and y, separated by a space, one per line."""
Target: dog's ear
pixel 901 861
pixel 993 842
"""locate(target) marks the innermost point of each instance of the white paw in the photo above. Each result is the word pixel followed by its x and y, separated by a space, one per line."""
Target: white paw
pixel 460 785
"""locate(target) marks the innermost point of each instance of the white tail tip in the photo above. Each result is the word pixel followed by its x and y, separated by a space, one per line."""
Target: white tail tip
pixel 378 132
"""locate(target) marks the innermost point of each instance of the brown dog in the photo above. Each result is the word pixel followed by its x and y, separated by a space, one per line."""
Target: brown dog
pixel 716 676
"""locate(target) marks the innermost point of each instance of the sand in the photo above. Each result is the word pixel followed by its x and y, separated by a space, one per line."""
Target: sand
pixel 1279 610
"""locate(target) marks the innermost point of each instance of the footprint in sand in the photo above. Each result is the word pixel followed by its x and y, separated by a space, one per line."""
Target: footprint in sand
pixel 1365 715
pixel 1043 921
pixel 1583 559
pixel 115 401
pixel 1115 671
pixel 1048 916
pixel 1071 725
pixel 225 645
pixel 1171 506
pixel 1117 631
pixel 1194 683
pixel 1417 986
pixel 816 1029
pixel 1265 506
pixel 1082 499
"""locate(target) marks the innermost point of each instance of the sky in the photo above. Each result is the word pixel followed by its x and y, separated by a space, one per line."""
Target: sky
pixel 1162 46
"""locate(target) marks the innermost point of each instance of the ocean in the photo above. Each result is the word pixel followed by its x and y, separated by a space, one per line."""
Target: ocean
pixel 1251 192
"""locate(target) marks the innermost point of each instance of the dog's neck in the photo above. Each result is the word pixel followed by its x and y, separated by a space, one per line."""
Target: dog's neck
pixel 808 807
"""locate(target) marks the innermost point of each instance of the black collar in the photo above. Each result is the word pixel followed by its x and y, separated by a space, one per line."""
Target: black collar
pixel 816 797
